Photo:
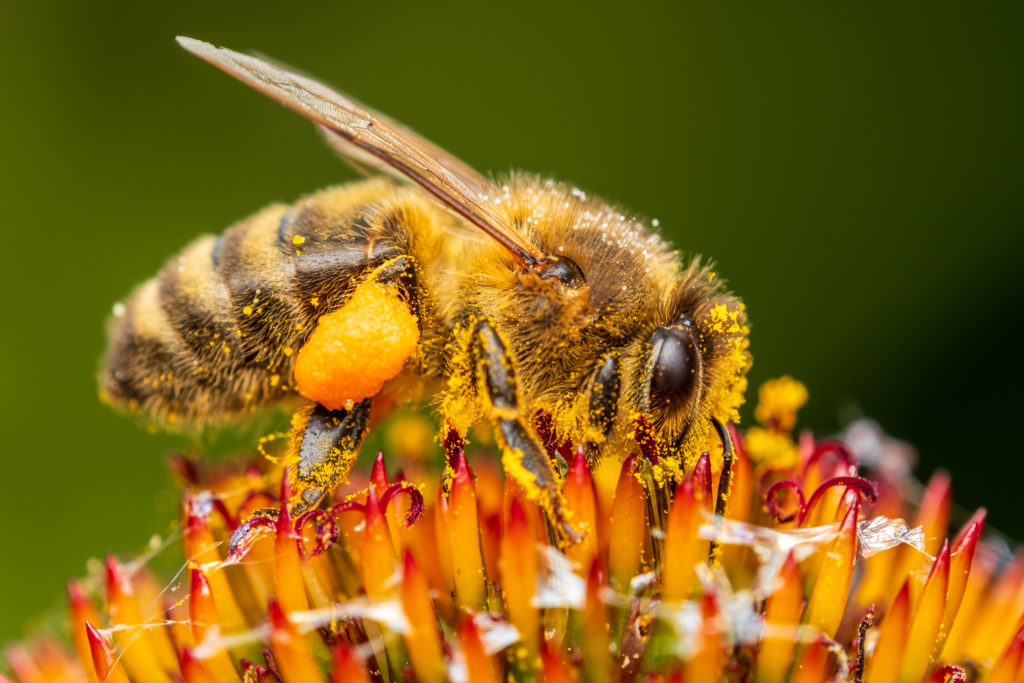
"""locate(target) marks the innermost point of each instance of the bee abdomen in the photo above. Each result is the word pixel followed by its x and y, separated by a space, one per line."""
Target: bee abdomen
pixel 187 348
pixel 216 332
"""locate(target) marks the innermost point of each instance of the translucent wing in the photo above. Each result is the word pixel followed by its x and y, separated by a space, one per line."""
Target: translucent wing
pixel 357 157
pixel 377 141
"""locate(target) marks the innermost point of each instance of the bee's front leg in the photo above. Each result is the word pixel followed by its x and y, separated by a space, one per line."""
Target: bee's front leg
pixel 603 400
pixel 325 444
pixel 523 454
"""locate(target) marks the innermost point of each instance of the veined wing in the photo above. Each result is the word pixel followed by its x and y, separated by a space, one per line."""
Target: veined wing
pixel 375 137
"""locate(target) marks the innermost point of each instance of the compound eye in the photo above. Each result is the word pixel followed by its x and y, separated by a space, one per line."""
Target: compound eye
pixel 565 269
pixel 676 365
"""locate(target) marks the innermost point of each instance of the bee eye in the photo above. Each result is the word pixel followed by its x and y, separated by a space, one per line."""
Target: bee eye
pixel 565 269
pixel 676 364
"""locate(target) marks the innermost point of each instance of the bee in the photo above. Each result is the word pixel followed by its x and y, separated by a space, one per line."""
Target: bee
pixel 534 302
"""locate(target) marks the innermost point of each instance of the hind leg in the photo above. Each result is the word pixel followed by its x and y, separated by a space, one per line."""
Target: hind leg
pixel 328 443
pixel 324 443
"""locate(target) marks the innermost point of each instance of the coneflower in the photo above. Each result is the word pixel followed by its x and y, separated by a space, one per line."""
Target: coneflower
pixel 775 559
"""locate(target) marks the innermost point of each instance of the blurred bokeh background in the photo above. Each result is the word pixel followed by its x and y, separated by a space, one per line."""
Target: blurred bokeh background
pixel 855 168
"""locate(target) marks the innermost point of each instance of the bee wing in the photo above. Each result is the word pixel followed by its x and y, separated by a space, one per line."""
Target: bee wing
pixel 364 161
pixel 380 143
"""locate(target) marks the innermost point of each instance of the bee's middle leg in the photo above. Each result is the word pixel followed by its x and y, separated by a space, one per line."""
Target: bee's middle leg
pixel 524 456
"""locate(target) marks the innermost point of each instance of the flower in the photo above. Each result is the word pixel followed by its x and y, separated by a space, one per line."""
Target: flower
pixel 790 562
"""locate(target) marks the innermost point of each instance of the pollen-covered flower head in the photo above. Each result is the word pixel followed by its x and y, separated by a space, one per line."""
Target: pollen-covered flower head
pixel 794 559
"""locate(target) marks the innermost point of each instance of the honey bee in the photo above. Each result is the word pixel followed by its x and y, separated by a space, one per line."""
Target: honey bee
pixel 533 300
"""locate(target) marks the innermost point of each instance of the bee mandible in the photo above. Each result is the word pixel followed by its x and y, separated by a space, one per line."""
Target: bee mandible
pixel 532 301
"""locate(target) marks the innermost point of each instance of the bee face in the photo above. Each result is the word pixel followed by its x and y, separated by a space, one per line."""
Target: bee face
pixel 615 287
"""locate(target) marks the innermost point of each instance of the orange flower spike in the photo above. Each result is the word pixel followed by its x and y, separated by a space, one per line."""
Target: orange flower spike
pixel 480 666
pixel 81 611
pixel 597 664
pixel 379 565
pixel 179 630
pixel 933 517
pixel 55 663
pixel 828 596
pixel 702 483
pixel 193 671
pixel 1009 668
pixel 201 547
pixel 973 607
pixel 534 514
pixel 348 668
pixel 422 640
pixel 22 665
pixel 291 589
pixel 813 477
pixel 554 665
pixel 581 500
pixel 961 559
pixel 395 514
pixel 742 494
pixel 1000 613
pixel 464 540
pixel 708 659
pixel 106 666
pixel 606 476
pixel 291 652
pixel 258 565
pixel 42 661
pixel 490 504
pixel 150 652
pixel 430 549
pixel 781 619
pixel 206 629
pixel 379 475
pixel 811 666
pixel 927 619
pixel 519 567
pixel 443 539
pixel 887 658
pixel 683 549
pixel 933 513
pixel 628 526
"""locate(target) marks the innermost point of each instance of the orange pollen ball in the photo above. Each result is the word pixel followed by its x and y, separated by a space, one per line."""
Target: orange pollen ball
pixel 357 348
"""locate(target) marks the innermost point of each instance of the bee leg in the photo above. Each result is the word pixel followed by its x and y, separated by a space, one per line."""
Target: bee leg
pixel 326 443
pixel 401 272
pixel 603 403
pixel 523 454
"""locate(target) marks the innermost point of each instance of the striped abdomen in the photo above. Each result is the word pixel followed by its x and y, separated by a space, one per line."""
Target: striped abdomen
pixel 215 333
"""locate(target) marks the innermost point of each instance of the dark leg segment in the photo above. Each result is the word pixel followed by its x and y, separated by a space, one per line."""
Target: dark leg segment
pixel 604 396
pixel 329 440
pixel 724 483
pixel 530 466
pixel 328 446
pixel 401 271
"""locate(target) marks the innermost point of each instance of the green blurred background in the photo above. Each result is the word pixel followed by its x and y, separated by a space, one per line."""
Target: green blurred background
pixel 855 169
